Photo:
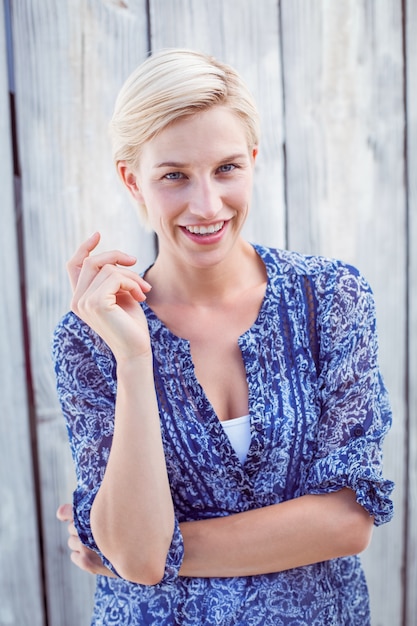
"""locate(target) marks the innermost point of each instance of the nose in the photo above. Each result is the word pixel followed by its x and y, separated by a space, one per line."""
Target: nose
pixel 205 199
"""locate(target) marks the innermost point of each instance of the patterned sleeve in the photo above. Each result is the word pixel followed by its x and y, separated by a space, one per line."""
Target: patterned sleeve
pixel 86 386
pixel 355 412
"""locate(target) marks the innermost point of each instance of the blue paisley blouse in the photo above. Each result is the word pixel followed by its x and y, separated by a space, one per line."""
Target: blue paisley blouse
pixel 319 412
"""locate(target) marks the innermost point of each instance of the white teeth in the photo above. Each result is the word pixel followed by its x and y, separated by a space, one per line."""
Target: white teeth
pixel 204 230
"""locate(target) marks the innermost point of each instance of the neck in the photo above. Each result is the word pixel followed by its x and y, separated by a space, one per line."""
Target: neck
pixel 175 282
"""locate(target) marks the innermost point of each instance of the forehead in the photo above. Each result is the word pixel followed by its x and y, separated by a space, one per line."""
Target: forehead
pixel 206 134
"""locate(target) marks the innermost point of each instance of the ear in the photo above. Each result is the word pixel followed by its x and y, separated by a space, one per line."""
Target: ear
pixel 130 180
pixel 255 153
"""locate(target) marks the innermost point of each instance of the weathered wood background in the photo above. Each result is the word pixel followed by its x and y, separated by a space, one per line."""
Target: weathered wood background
pixel 336 84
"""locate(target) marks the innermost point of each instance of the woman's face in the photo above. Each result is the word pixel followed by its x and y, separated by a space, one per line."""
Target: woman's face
pixel 195 179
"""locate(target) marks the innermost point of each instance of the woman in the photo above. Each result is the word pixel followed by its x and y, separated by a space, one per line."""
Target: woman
pixel 227 431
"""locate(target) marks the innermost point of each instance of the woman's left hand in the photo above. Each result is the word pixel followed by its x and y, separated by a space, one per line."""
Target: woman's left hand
pixel 83 557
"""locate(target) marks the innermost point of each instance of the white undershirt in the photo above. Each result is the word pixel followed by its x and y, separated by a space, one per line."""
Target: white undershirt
pixel 238 431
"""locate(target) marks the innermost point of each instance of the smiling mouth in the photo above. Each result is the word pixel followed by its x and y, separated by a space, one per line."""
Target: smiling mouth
pixel 205 230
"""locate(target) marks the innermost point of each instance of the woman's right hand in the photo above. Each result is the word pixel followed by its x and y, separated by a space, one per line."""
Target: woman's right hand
pixel 106 295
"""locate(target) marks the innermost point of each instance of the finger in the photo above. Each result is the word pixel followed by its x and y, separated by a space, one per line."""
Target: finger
pixel 75 264
pixel 64 512
pixel 84 564
pixel 90 562
pixel 92 267
pixel 74 543
pixel 102 293
pixel 85 558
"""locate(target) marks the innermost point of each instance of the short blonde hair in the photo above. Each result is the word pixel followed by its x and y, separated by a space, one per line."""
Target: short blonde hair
pixel 171 84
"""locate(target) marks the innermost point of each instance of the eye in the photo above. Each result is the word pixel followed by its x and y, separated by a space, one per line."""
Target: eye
pixel 174 176
pixel 226 168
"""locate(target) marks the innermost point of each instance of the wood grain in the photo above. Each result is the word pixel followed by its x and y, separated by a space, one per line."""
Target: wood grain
pixel 20 562
pixel 411 441
pixel 70 60
pixel 343 82
pixel 328 78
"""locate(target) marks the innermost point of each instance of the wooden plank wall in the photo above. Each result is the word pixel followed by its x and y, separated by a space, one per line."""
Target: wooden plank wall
pixel 346 197
pixel 411 155
pixel 335 83
pixel 20 565
pixel 70 60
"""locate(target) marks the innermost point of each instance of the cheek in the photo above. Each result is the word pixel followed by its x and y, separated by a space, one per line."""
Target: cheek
pixel 241 193
pixel 162 206
pixel 173 200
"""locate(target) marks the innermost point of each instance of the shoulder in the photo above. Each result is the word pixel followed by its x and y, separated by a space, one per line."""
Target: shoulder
pixel 325 274
pixel 290 262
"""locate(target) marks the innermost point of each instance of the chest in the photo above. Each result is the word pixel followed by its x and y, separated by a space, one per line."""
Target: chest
pixel 213 334
pixel 283 417
pixel 218 363
pixel 220 370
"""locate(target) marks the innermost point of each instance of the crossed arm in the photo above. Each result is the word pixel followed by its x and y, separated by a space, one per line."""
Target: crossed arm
pixel 275 538
pixel 135 534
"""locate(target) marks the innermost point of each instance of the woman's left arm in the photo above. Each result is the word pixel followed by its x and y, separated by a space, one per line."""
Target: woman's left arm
pixel 298 532
pixel 294 533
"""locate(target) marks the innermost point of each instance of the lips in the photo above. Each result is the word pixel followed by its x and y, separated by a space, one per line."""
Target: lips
pixel 205 230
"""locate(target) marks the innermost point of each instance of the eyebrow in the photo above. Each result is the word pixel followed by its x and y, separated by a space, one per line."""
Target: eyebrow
pixel 169 164
pixel 179 165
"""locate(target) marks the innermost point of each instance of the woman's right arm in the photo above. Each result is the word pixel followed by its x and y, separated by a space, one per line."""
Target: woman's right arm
pixel 132 515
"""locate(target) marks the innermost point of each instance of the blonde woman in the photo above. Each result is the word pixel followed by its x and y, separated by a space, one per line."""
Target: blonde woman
pixel 225 409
